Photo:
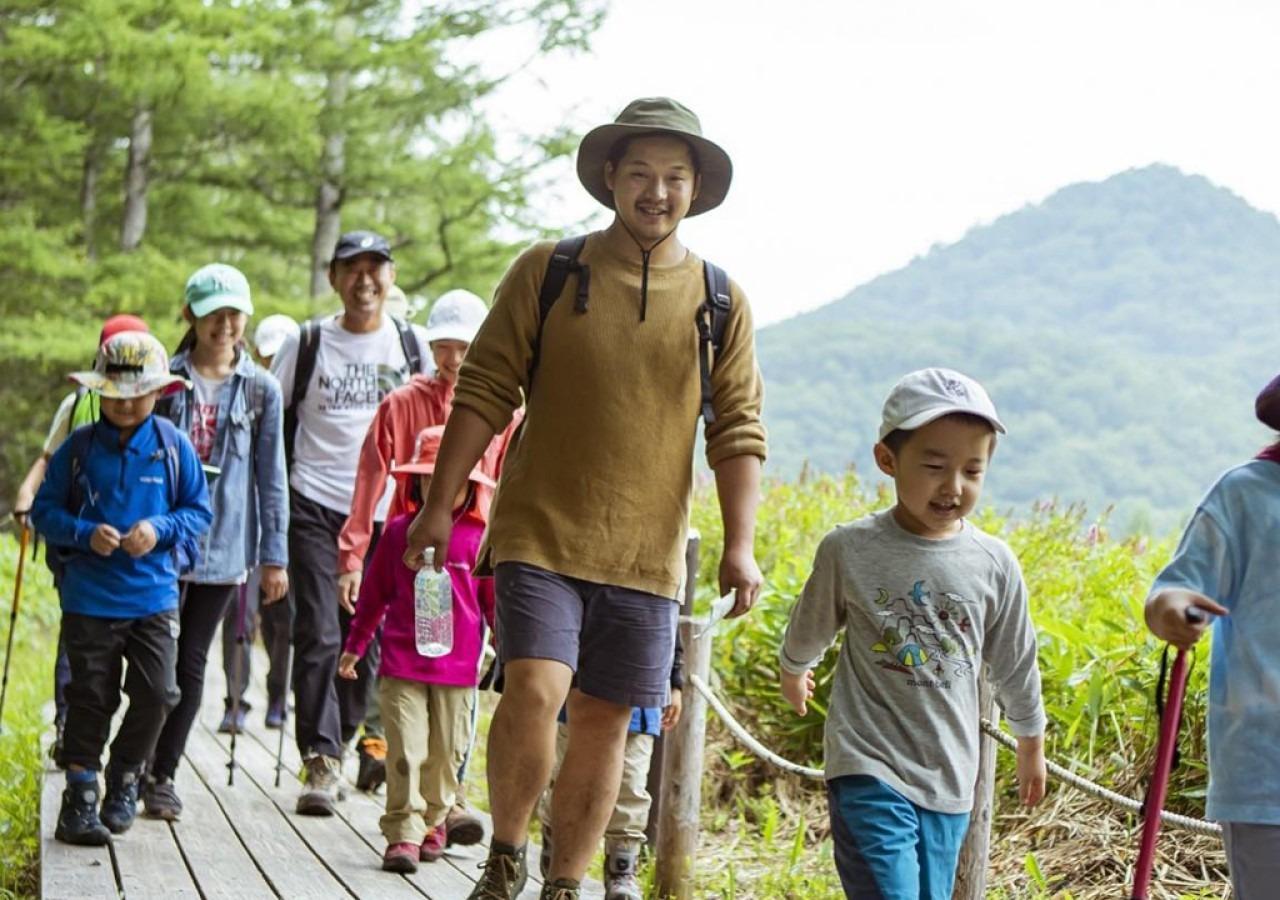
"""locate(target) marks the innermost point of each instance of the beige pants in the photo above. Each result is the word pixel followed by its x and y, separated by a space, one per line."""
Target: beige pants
pixel 428 729
pixel 631 812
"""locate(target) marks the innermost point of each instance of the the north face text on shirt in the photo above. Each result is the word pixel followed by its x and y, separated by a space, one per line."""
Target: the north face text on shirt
pixel 358 385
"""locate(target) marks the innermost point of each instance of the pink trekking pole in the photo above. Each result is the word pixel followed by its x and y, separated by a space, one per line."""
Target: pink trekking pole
pixel 1168 742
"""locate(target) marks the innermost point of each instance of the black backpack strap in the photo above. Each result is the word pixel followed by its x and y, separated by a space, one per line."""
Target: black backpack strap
pixel 563 262
pixel 713 316
pixel 409 344
pixel 304 366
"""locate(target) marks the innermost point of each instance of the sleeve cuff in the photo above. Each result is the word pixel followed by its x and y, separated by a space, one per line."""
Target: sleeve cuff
pixel 1029 727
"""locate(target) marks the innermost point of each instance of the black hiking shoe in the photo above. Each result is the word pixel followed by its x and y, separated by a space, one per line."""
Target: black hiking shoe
pixel 505 873
pixel 120 806
pixel 372 773
pixel 160 799
pixel 78 821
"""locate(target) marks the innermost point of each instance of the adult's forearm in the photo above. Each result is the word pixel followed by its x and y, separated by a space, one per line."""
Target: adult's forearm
pixel 738 488
pixel 466 435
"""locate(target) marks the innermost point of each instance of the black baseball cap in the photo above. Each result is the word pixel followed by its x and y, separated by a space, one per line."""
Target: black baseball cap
pixel 353 243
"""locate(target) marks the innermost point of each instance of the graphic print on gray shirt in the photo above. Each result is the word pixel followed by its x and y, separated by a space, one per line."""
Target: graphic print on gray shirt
pixel 920 618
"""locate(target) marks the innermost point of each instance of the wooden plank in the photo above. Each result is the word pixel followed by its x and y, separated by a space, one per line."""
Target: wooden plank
pixel 67 872
pixel 222 867
pixel 285 860
pixel 352 861
pixel 149 862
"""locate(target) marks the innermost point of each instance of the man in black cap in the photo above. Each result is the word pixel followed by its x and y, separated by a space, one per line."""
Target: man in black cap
pixel 587 532
pixel 333 375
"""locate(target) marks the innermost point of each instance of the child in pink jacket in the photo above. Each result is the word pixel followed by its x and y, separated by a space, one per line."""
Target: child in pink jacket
pixel 426 701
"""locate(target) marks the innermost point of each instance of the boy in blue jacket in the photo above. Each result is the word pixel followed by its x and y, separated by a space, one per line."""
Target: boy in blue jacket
pixel 121 507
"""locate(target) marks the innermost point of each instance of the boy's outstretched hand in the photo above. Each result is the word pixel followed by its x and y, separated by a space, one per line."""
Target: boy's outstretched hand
pixel 104 540
pixel 797 690
pixel 347 666
pixel 1167 616
pixel 1031 770
pixel 140 539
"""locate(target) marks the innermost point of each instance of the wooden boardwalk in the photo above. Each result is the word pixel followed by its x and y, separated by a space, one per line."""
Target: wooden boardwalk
pixel 244 840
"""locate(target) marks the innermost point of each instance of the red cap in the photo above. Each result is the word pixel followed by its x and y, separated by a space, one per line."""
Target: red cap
pixel 117 324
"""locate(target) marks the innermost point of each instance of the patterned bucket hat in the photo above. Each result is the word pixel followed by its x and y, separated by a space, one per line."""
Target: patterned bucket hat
pixel 130 364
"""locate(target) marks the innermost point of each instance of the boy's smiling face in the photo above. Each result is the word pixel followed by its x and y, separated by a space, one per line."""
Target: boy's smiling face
pixel 127 413
pixel 938 473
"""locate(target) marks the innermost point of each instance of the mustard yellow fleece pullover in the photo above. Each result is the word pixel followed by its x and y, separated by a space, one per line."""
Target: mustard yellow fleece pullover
pixel 598 484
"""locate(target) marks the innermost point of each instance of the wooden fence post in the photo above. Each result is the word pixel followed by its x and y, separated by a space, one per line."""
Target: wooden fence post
pixel 681 788
pixel 654 784
pixel 971 871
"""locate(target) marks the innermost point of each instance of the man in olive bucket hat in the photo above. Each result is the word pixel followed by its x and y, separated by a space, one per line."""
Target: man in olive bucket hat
pixel 587 531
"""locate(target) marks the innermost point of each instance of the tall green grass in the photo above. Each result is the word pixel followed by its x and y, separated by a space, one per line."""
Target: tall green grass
pixel 30 687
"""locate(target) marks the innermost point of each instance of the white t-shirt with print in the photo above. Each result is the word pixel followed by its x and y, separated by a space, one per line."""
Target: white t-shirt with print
pixel 353 373
pixel 204 414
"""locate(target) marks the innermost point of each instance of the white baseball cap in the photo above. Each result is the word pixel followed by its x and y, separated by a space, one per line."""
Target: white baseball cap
pixel 456 316
pixel 269 336
pixel 924 395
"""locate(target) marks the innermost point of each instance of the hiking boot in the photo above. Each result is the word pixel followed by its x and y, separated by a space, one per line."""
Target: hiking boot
pixel 78 821
pixel 505 873
pixel 232 721
pixel 401 857
pixel 434 843
pixel 320 775
pixel 544 855
pixel 120 805
pixel 463 827
pixel 160 799
pixel 373 764
pixel 620 882
pixel 561 889
pixel 276 714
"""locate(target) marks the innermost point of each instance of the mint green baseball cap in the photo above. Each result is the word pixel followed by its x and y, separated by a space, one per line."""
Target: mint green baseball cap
pixel 218 286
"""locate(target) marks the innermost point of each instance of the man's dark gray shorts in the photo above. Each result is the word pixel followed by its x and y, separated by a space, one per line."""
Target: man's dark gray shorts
pixel 619 642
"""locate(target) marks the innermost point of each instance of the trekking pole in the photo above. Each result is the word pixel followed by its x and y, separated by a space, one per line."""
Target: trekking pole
pixel 288 685
pixel 13 617
pixel 1165 747
pixel 242 603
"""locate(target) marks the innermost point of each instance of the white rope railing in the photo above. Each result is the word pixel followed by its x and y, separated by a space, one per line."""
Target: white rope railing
pixel 1007 741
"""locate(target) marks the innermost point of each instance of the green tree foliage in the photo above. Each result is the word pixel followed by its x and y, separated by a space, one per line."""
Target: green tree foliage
pixel 145 138
pixel 1122 327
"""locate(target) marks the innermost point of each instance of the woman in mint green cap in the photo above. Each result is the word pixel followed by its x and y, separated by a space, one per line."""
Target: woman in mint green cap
pixel 233 414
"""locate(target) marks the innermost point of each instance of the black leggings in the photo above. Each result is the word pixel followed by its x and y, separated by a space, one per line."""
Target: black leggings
pixel 203 606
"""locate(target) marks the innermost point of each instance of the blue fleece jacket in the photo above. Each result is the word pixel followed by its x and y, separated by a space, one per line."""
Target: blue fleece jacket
pixel 121 486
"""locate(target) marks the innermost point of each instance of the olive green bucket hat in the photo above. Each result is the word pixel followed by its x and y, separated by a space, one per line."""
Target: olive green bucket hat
pixel 656 115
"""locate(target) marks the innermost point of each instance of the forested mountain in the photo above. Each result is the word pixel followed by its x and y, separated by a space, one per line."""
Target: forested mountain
pixel 1123 328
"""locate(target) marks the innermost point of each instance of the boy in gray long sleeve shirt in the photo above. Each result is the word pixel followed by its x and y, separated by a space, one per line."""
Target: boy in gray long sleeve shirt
pixel 925 600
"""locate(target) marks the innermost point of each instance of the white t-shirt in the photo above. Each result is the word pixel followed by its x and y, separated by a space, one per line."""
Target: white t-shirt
pixel 204 413
pixel 353 373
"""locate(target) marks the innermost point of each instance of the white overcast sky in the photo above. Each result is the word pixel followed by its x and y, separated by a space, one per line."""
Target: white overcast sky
pixel 863 132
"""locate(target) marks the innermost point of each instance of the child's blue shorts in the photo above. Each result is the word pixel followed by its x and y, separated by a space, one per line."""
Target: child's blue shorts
pixel 886 847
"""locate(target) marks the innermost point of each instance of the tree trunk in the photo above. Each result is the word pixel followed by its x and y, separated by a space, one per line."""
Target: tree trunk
pixel 333 163
pixel 89 197
pixel 971 870
pixel 134 224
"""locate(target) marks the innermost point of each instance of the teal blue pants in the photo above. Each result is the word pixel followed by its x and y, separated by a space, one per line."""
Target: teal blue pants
pixel 886 847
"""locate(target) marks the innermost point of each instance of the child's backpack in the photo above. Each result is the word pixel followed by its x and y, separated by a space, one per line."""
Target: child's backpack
pixel 185 553
pixel 304 366
pixel 710 320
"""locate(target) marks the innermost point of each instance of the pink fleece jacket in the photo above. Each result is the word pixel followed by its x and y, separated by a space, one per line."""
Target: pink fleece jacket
pixel 387 591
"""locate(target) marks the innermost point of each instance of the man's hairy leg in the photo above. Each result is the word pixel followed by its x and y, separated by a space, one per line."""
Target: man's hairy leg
pixel 587 789
pixel 522 743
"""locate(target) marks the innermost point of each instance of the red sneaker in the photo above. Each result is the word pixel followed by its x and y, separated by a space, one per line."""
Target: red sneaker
pixel 401 857
pixel 433 844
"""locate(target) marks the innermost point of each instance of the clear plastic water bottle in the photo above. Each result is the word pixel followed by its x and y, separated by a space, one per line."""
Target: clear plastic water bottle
pixel 432 609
